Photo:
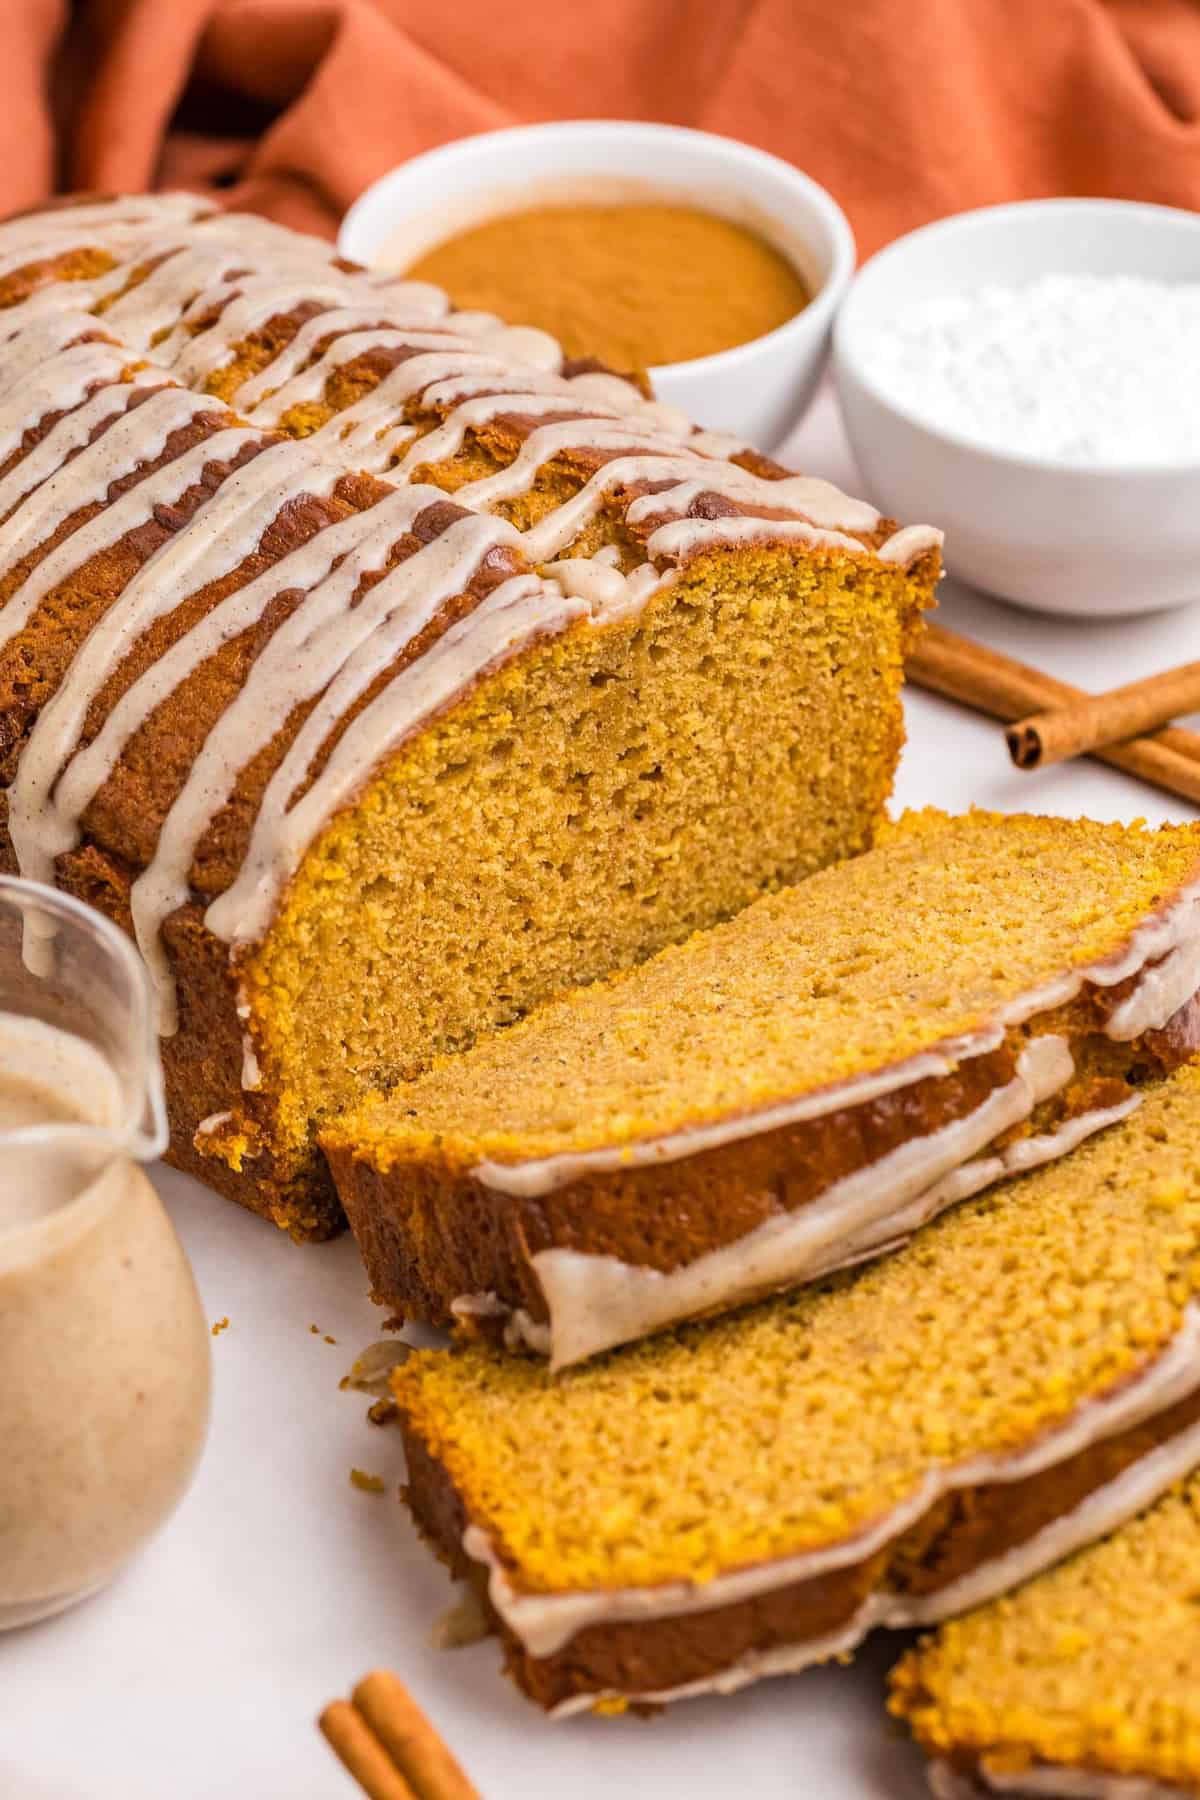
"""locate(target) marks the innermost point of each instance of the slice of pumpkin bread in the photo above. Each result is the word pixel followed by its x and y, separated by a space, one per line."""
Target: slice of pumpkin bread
pixel 786 1093
pixel 902 1442
pixel 1085 1683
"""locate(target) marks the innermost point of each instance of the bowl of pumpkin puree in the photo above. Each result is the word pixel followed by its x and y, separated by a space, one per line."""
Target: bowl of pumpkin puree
pixel 709 268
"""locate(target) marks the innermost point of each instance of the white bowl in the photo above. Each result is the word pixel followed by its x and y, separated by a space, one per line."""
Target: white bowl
pixel 757 390
pixel 1094 539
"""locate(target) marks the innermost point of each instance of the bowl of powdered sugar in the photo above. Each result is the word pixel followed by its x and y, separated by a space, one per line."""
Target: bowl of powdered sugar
pixel 1029 376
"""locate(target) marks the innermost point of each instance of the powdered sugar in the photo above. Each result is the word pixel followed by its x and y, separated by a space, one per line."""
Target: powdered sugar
pixel 1082 369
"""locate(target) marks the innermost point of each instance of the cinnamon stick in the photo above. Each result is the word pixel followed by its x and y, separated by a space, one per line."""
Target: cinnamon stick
pixel 360 1752
pixel 990 682
pixel 1101 719
pixel 415 1747
pixel 389 1746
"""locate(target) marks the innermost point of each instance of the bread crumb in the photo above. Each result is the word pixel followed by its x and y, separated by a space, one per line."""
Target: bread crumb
pixel 461 1624
pixel 367 1484
pixel 220 1326
pixel 371 1372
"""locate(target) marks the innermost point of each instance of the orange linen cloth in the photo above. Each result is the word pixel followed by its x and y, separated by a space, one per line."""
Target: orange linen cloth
pixel 906 109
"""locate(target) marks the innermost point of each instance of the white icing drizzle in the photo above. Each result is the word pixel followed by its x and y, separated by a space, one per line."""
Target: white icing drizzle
pixel 296 376
pixel 374 426
pixel 597 583
pixel 577 1282
pixel 59 387
pixel 1163 989
pixel 821 503
pixel 356 303
pixel 683 538
pixel 1097 1514
pixel 548 441
pixel 123 209
pixel 1053 1779
pixel 520 1328
pixel 38 250
pixel 297 355
pixel 138 437
pixel 907 544
pixel 1017 1159
pixel 32 338
pixel 352 539
pixel 542 1175
pixel 435 350
pixel 193 355
pixel 546 1622
pixel 477 408
pixel 153 304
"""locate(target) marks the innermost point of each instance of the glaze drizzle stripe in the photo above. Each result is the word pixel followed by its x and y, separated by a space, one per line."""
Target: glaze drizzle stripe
pixel 55 388
pixel 433 353
pixel 298 355
pixel 70 434
pixel 49 506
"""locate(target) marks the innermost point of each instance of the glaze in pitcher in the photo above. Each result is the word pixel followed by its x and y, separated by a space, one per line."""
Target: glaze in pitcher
pixel 104 1350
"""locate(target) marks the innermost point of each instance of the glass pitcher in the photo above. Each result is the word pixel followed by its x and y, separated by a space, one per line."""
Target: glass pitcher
pixel 104 1349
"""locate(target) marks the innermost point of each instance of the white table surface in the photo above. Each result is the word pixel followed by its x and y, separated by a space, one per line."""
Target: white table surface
pixel 198 1674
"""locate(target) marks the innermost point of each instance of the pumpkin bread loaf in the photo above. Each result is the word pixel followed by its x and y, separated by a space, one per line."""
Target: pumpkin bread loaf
pixel 1084 1683
pixel 788 1092
pixel 893 1446
pixel 369 770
